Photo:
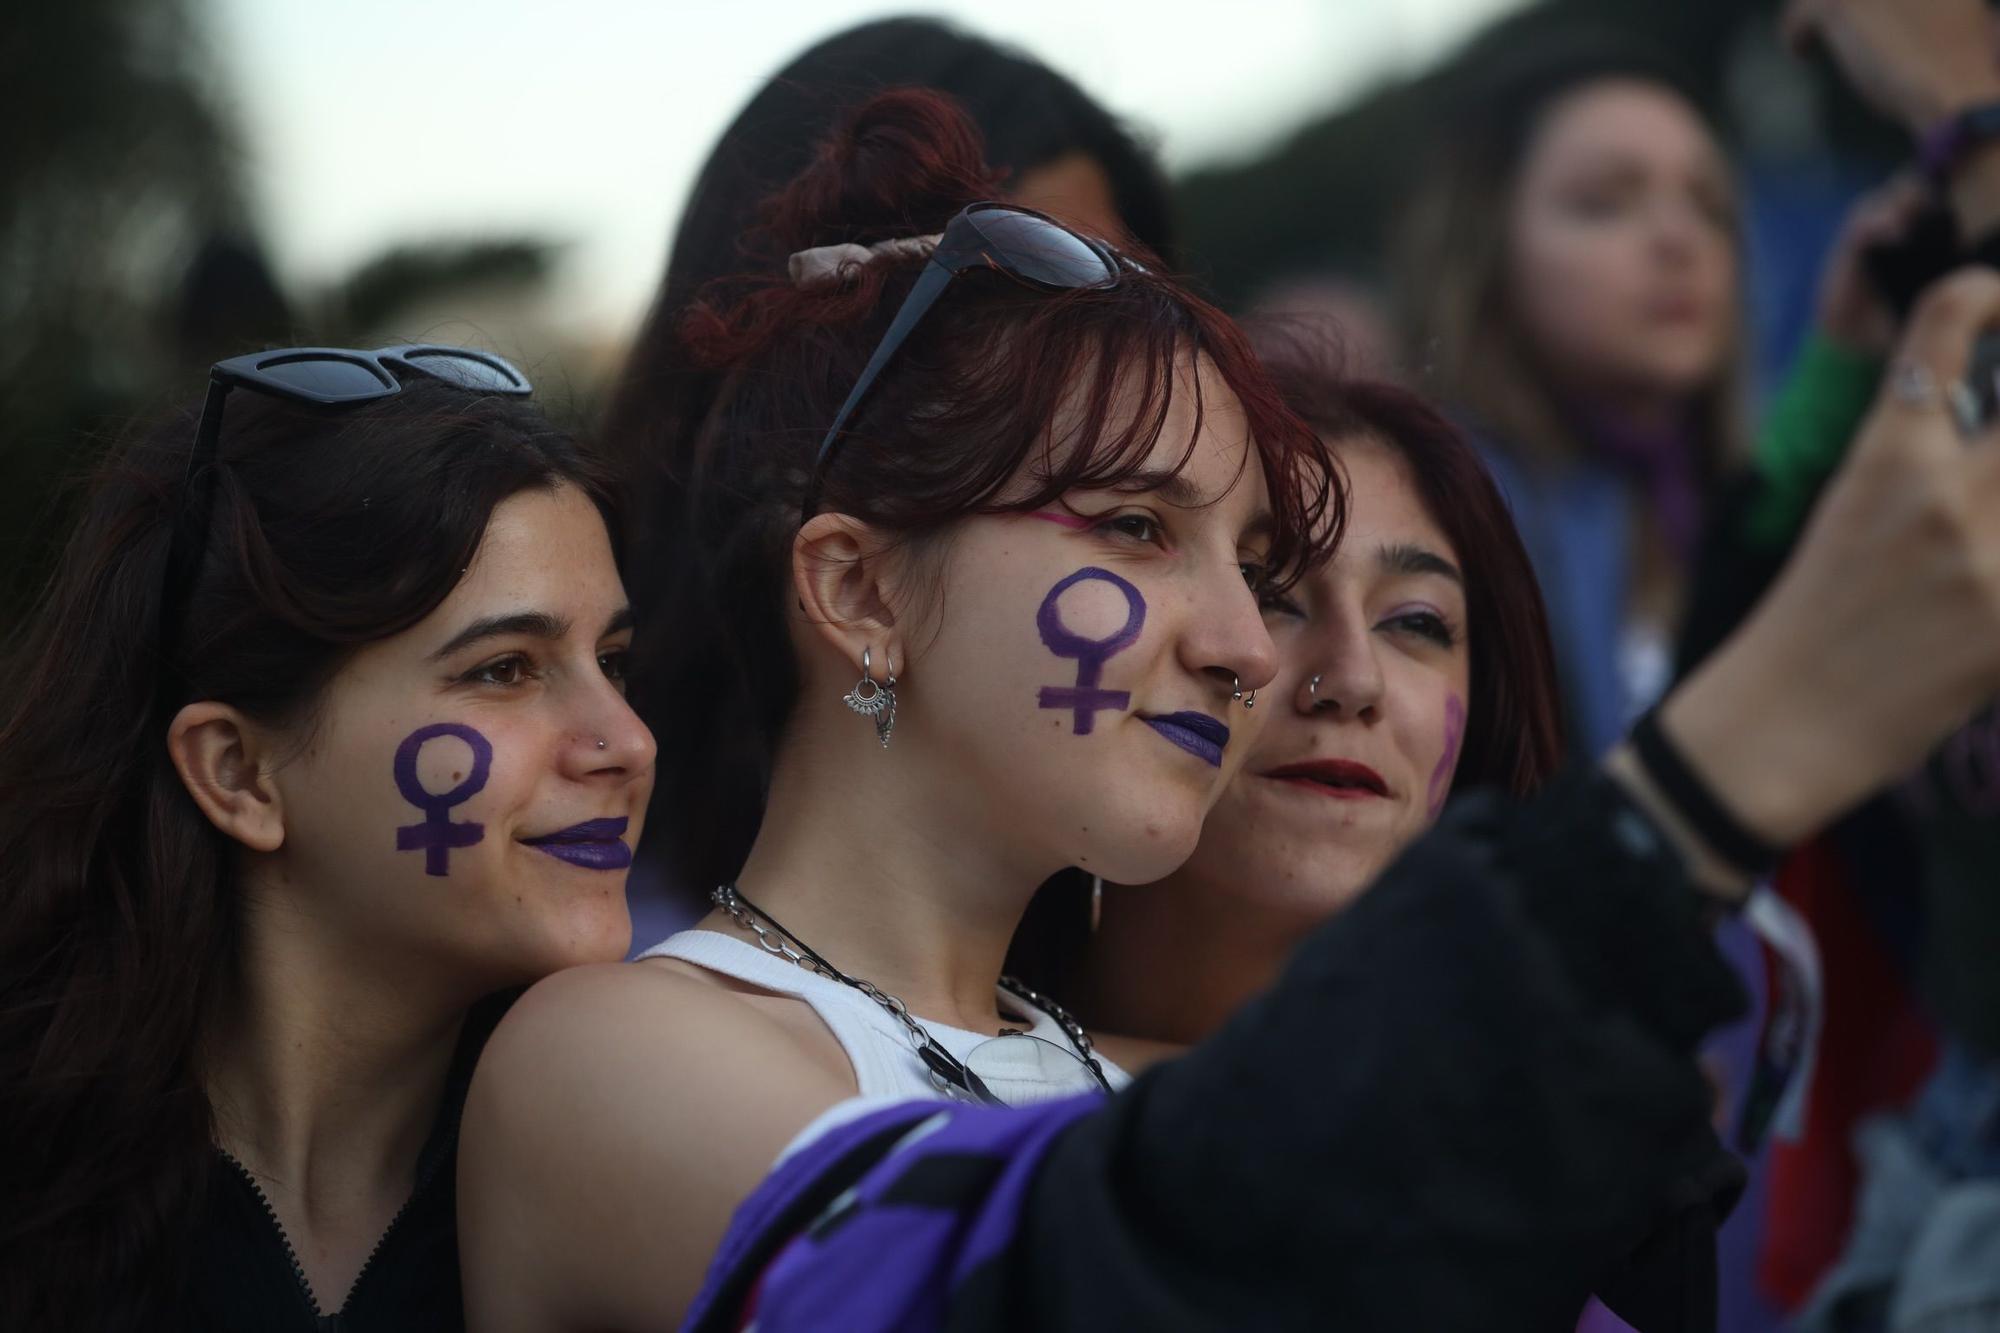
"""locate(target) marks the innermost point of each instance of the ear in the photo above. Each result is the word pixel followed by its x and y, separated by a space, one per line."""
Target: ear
pixel 848 578
pixel 221 756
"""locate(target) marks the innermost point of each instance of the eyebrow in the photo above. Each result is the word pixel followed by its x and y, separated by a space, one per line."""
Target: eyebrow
pixel 1176 490
pixel 1410 558
pixel 533 624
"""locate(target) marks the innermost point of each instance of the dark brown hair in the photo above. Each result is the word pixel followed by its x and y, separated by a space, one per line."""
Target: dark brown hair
pixel 118 910
pixel 1513 733
pixel 974 398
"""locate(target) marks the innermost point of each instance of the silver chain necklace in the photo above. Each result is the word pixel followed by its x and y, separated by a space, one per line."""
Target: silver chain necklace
pixel 948 1074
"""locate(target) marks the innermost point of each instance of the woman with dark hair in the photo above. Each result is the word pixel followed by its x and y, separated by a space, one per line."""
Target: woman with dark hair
pixel 1055 149
pixel 938 478
pixel 1573 265
pixel 316 740
pixel 1414 663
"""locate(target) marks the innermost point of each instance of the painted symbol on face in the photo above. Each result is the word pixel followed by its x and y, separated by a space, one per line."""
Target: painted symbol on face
pixel 1454 736
pixel 1085 699
pixel 437 835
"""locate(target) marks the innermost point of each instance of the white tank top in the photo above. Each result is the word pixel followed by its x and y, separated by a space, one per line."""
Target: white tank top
pixel 877 1045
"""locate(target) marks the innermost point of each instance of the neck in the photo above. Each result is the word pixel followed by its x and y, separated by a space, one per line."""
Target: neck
pixel 326 1075
pixel 1635 411
pixel 1172 961
pixel 891 870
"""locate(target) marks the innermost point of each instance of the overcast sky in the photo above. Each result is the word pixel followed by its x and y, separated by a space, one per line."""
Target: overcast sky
pixel 584 121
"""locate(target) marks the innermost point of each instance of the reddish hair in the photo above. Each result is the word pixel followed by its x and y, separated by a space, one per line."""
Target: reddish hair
pixel 1070 389
pixel 1513 736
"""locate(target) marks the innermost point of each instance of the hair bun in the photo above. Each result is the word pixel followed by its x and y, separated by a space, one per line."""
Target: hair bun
pixel 899 164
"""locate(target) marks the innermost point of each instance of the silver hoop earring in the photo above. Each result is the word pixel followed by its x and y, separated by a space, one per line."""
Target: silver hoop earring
pixel 1236 693
pixel 873 700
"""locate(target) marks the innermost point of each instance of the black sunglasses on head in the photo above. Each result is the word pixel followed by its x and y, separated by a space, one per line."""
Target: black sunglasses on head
pixel 338 376
pixel 324 377
pixel 1029 247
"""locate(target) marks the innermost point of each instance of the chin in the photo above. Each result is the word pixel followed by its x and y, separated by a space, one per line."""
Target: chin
pixel 1152 845
pixel 1677 369
pixel 576 936
pixel 1315 881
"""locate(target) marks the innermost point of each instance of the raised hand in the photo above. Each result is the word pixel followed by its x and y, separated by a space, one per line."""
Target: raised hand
pixel 1915 61
pixel 1882 635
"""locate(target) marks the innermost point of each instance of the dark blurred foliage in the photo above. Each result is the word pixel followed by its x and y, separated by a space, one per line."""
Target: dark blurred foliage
pixel 111 162
pixel 1324 200
pixel 128 257
pixel 372 295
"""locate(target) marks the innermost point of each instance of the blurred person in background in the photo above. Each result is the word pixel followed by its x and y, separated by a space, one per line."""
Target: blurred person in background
pixel 1886 1213
pixel 1057 150
pixel 315 750
pixel 1572 277
pixel 1572 284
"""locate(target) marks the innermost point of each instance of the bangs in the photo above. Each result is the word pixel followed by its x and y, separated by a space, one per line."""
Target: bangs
pixel 1031 395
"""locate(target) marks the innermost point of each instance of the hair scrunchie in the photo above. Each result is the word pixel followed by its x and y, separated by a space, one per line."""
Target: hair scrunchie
pixel 833 265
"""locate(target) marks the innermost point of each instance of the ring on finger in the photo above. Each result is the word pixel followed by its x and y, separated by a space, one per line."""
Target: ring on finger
pixel 1913 385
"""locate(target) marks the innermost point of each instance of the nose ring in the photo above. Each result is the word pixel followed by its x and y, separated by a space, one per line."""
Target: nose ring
pixel 1312 694
pixel 1236 688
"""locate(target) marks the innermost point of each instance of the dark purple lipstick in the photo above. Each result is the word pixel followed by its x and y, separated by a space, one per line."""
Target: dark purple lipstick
pixel 595 844
pixel 1197 733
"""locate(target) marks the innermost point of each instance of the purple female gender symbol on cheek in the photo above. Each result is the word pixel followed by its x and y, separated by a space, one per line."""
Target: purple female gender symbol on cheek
pixel 1085 698
pixel 437 835
pixel 1454 736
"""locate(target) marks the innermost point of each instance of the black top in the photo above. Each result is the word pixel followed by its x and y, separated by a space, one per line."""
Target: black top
pixel 244 1277
pixel 1469 1102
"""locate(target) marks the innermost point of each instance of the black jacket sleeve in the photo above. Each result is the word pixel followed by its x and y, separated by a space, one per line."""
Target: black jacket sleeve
pixel 1469 1102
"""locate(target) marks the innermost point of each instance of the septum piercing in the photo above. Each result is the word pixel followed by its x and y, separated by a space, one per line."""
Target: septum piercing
pixel 1236 688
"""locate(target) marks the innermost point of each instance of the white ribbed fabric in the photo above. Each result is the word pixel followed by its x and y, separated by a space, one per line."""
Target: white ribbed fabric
pixel 885 1064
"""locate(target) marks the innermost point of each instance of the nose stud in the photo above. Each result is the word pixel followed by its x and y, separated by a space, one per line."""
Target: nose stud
pixel 602 743
pixel 1236 688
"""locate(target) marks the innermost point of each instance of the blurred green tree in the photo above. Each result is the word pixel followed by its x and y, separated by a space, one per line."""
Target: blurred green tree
pixel 128 257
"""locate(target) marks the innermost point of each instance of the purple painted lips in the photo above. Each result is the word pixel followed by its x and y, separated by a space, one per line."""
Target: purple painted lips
pixel 595 844
pixel 1197 733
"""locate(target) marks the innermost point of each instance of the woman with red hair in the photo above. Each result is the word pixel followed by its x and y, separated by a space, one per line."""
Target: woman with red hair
pixel 1029 491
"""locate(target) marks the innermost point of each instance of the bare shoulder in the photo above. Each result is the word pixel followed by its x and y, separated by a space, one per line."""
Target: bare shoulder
pixel 1135 1055
pixel 619 1114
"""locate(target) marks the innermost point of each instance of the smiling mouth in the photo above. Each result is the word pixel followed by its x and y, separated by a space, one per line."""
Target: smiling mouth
pixel 1197 733
pixel 595 844
pixel 1341 779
